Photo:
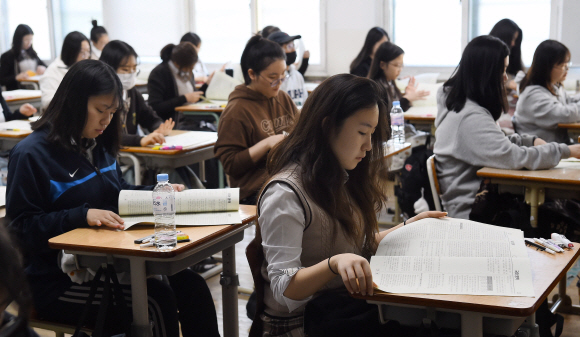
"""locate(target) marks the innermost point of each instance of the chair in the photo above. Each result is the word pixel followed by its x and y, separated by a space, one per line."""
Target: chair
pixel 434 182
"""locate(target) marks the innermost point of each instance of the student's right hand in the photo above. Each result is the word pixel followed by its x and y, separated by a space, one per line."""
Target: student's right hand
pixel 166 127
pixel 353 268
pixel 98 217
pixel 539 141
pixel 411 92
pixel 574 150
pixel 27 109
pixel 21 76
pixel 152 138
pixel 275 139
pixel 193 97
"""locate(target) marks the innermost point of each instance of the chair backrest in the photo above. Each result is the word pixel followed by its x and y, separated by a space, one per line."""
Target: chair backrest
pixel 255 256
pixel 434 182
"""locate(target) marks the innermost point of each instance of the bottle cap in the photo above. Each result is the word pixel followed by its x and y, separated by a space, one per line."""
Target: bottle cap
pixel 162 177
pixel 396 103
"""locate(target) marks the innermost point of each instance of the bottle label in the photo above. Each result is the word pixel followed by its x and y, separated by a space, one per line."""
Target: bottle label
pixel 163 205
pixel 397 119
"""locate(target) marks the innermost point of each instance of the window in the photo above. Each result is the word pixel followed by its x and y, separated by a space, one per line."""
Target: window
pixel 224 27
pixel 435 27
pixel 534 20
pixel 30 12
pixel 77 16
pixel 301 17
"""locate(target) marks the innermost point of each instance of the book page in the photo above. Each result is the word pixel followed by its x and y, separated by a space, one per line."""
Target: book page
pixel 450 237
pixel 133 202
pixel 189 219
pixel 453 275
pixel 191 139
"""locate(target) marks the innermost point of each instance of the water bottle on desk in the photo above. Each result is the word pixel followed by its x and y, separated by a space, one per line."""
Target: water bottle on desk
pixel 164 212
pixel 397 124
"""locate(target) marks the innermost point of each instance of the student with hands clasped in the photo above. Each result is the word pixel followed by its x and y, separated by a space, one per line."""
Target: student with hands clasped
pixel 385 69
pixel 543 101
pixel 317 214
pixel 62 178
pixel 123 58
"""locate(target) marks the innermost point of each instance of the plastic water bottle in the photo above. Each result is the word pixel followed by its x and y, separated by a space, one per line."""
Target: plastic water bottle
pixel 397 124
pixel 164 212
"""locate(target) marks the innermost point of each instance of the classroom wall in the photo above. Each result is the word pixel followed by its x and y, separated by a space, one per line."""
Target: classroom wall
pixel 569 34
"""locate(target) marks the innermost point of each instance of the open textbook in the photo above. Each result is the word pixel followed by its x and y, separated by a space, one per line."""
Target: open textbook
pixel 453 256
pixel 198 207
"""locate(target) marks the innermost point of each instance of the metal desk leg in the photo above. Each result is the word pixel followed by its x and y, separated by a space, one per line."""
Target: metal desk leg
pixel 534 197
pixel 531 326
pixel 221 175
pixel 561 302
pixel 471 324
pixel 229 281
pixel 141 326
pixel 202 170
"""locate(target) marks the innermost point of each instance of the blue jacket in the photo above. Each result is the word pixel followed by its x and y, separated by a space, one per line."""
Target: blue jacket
pixel 49 192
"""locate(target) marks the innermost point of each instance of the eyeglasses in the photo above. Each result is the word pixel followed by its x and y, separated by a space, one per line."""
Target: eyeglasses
pixel 400 66
pixel 278 81
pixel 85 53
pixel 130 70
pixel 565 67
pixel 289 46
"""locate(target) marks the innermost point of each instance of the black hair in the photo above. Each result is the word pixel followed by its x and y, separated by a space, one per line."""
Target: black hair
pixel 386 52
pixel 69 106
pixel 19 34
pixel 549 54
pixel 479 76
pixel 183 55
pixel 266 31
pixel 373 36
pixel 71 47
pixel 505 30
pixel 115 52
pixel 258 54
pixel 191 37
pixel 13 280
pixel 97 31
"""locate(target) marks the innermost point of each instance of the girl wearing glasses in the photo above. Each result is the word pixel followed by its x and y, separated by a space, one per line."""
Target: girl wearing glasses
pixel 385 68
pixel 256 117
pixel 543 102
pixel 75 47
pixel 123 58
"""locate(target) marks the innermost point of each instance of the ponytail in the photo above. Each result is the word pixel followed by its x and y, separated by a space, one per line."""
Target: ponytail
pixel 166 52
pixel 97 31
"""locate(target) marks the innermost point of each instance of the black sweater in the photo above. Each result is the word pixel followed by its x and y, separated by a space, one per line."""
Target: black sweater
pixel 163 94
pixel 49 192
pixel 9 69
pixel 363 68
pixel 8 115
pixel 139 114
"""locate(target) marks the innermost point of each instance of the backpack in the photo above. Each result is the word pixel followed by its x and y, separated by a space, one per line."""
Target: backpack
pixel 414 179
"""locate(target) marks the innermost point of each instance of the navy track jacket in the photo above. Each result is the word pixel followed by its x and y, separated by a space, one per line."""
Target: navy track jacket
pixel 49 192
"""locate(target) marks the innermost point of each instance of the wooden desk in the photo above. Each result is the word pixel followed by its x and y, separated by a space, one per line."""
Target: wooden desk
pixel 8 139
pixel 392 150
pixel 500 315
pixel 15 98
pixel 422 117
pixel 34 81
pixel 94 246
pixel 212 110
pixel 573 129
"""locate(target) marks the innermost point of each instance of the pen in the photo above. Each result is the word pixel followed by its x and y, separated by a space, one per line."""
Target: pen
pixel 530 242
pixel 551 246
pixel 141 240
pixel 11 129
pixel 151 244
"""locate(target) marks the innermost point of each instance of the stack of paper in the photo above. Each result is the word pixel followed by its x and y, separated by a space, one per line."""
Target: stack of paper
pixel 191 139
pixel 453 256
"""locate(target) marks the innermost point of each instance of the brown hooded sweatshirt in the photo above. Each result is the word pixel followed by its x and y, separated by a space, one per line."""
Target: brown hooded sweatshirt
pixel 249 118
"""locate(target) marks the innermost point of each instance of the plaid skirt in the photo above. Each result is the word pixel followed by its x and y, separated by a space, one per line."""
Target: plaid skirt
pixel 283 327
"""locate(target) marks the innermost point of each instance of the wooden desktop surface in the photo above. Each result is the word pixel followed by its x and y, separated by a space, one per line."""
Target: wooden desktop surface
pixel 569 126
pixel 567 172
pixel 203 107
pixel 21 98
pixel 421 114
pixel 547 270
pixel 14 134
pixel 393 150
pixel 110 241
pixel 149 149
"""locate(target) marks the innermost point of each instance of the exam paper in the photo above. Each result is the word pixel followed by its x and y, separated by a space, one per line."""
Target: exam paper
pixel 191 139
pixel 189 219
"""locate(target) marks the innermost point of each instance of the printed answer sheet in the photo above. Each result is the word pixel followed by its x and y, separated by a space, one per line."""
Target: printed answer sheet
pixel 453 256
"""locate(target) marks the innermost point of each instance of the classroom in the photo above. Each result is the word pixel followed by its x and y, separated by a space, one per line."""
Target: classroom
pixel 265 168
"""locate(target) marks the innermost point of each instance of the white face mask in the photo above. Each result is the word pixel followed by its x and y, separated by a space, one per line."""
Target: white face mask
pixel 128 80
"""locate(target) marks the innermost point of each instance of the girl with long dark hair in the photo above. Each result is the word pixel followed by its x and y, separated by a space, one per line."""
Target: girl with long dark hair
pixel 20 60
pixel 361 64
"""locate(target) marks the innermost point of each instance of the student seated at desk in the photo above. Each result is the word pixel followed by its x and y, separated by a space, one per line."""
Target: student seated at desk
pixel 13 289
pixel 26 110
pixel 386 68
pixel 294 84
pixel 63 178
pixel 200 72
pixel 361 65
pixel 511 34
pixel 317 215
pixel 467 136
pixel 99 39
pixel 172 84
pixel 75 47
pixel 543 102
pixel 256 117
pixel 123 58
pixel 20 59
